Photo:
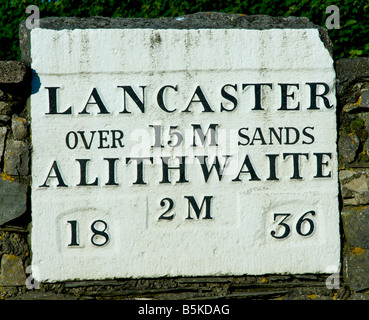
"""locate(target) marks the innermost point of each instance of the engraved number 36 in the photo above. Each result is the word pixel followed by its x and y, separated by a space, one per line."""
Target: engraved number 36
pixel 304 226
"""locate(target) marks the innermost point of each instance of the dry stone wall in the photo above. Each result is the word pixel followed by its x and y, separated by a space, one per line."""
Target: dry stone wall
pixel 16 281
pixel 353 147
pixel 15 150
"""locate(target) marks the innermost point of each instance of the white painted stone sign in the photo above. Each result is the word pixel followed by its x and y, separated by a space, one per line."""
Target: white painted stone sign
pixel 172 152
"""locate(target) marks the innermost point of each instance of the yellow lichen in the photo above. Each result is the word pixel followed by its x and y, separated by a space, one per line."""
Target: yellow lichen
pixel 264 280
pixel 352 138
pixel 359 101
pixel 7 177
pixel 312 296
pixel 359 251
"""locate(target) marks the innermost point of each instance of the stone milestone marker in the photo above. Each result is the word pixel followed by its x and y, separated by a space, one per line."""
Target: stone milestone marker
pixel 202 145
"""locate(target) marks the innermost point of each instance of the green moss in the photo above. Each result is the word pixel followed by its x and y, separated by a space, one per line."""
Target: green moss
pixel 345 123
pixel 352 124
pixel 363 157
pixel 357 126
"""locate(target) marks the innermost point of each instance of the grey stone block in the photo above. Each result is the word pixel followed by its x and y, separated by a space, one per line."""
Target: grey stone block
pixel 351 69
pixel 3 131
pixel 356 191
pixel 19 127
pixel 16 158
pixel 12 271
pixel 13 199
pixel 12 72
pixel 348 144
pixel 356 226
pixel 7 107
pixel 357 269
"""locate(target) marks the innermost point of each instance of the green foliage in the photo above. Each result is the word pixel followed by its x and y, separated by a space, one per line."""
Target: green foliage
pixel 351 40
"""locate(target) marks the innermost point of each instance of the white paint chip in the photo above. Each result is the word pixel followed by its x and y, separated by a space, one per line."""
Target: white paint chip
pixel 114 104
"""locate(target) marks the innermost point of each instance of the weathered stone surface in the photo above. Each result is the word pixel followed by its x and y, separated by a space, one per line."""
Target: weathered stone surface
pixel 348 146
pixel 356 185
pixel 12 272
pixel 14 243
pixel 356 226
pixel 13 199
pixel 358 99
pixel 16 158
pixel 362 198
pixel 3 131
pixel 7 107
pixel 350 71
pixel 12 72
pixel 4 119
pixel 345 176
pixel 357 269
pixel 37 295
pixel 364 99
pixel 201 20
pixel 19 127
pixel 198 20
pixel 360 296
pixel 355 191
